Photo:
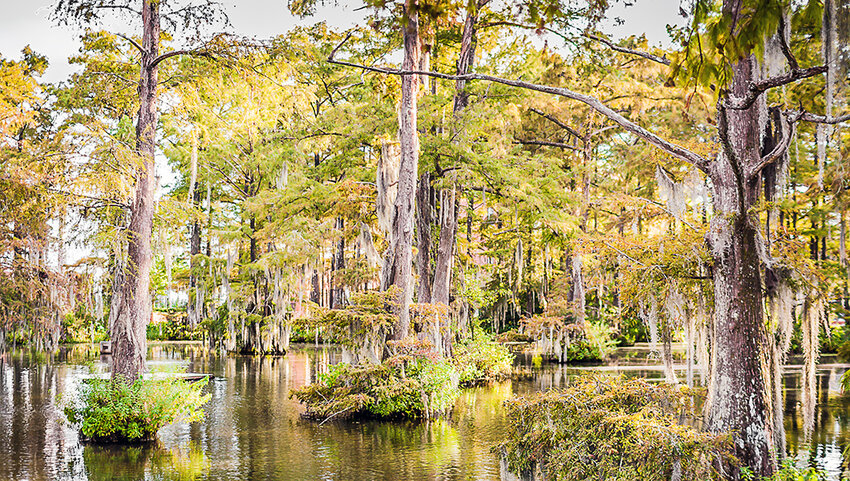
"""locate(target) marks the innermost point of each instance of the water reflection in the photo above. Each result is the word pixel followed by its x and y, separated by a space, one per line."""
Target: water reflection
pixel 254 431
pixel 113 463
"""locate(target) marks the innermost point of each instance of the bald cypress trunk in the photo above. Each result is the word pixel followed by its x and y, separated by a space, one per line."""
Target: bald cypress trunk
pixel 195 304
pixel 397 262
pixel 448 199
pixel 424 219
pixel 738 393
pixel 132 301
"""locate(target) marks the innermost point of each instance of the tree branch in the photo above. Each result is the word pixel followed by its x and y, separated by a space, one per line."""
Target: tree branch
pixel 615 47
pixel 594 103
pixel 557 122
pixel 133 43
pixel 758 88
pixel 818 119
pixel 783 44
pixel 777 151
pixel 193 52
pixel 547 143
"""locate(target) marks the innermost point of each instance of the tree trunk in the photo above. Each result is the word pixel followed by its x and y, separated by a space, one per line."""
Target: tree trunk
pixel 424 219
pixel 132 302
pixel 445 258
pixel 738 398
pixel 193 312
pixel 576 294
pixel 397 268
pixel 337 265
pixel 445 249
pixel 449 203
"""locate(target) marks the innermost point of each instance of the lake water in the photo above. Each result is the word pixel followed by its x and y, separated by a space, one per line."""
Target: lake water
pixel 253 430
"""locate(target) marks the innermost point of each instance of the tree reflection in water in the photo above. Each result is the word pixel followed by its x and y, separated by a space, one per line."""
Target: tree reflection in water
pixel 253 430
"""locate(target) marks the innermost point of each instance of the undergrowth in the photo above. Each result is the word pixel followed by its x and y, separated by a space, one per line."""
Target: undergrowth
pixel 110 411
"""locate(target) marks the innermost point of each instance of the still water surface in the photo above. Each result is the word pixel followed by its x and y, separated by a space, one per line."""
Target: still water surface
pixel 253 431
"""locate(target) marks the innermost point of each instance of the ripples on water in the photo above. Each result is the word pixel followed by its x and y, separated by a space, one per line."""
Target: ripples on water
pixel 253 431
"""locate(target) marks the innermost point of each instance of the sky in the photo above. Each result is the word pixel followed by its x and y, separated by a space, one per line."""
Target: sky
pixel 27 22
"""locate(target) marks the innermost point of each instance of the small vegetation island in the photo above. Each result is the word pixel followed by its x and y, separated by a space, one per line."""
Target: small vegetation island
pixel 495 240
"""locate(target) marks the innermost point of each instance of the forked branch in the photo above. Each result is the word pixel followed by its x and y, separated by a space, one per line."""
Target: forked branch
pixel 760 87
pixel 779 150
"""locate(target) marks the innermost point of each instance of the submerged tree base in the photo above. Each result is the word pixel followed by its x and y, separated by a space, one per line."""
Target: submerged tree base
pixel 110 412
pixel 412 383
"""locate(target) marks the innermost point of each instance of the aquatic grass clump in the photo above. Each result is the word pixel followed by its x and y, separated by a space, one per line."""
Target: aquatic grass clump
pixel 412 383
pixel 611 428
pixel 109 411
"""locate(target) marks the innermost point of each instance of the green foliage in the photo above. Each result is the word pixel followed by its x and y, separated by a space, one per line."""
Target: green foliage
pixel 481 359
pixel 81 326
pixel 594 345
pixel 369 315
pixel 412 383
pixel 175 327
pixel 611 428
pixel 788 471
pixel 112 411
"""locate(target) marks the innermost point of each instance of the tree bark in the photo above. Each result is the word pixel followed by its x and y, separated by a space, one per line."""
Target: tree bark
pixel 445 249
pixel 738 397
pixel 424 219
pixel 397 264
pixel 132 301
pixel 449 203
pixel 337 265
pixel 193 312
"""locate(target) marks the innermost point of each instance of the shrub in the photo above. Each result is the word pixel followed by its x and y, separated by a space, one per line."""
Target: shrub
pixel 481 359
pixel 412 383
pixel 787 472
pixel 110 411
pixel 611 428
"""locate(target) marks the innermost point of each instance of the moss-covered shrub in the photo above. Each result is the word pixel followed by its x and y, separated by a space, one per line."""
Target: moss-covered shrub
pixel 109 411
pixel 611 428
pixel 481 359
pixel 412 383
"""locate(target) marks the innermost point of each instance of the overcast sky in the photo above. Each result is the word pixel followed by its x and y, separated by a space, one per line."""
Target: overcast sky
pixel 27 22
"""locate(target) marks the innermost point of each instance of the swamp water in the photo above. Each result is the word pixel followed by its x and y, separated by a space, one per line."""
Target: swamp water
pixel 253 431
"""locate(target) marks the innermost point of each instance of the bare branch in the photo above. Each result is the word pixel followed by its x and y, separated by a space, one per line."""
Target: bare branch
pixel 558 123
pixel 779 150
pixel 115 75
pixel 818 119
pixel 193 52
pixel 133 43
pixel 669 147
pixel 547 143
pixel 758 88
pixel 617 48
pixel 783 44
